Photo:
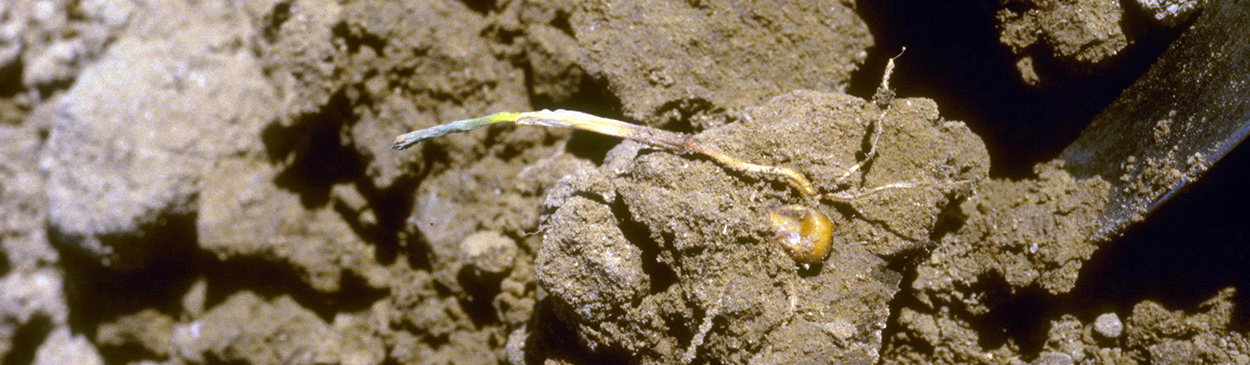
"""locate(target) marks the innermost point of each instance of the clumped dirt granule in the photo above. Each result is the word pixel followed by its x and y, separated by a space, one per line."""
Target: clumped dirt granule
pixel 1028 233
pixel 1077 34
pixel 640 253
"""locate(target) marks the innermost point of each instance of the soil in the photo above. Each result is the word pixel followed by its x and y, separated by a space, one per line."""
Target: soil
pixel 1081 34
pixel 211 182
pixel 640 253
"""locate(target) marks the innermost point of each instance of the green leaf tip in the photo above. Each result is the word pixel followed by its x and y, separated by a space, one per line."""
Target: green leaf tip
pixel 408 139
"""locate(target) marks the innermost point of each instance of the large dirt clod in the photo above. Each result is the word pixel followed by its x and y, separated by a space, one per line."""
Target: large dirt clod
pixel 668 258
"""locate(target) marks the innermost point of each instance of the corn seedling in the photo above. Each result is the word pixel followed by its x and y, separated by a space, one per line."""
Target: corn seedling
pixel 803 231
pixel 673 141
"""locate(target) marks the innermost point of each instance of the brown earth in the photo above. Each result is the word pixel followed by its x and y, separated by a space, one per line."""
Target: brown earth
pixel 652 248
pixel 211 182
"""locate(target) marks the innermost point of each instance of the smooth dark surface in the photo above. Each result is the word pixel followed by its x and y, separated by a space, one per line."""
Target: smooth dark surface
pixel 1201 84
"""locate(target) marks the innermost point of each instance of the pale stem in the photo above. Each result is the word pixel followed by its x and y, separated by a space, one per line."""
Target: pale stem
pixel 673 141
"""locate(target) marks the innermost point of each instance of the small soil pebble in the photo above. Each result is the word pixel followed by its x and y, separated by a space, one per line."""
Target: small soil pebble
pixel 1108 325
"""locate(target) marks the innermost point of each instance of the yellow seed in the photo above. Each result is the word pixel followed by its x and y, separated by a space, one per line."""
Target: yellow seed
pixel 804 232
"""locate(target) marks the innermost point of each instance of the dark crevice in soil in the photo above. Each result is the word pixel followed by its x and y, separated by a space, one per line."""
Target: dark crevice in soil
pixel 273 21
pixel 355 39
pixel 317 154
pixel 1022 315
pixel 497 136
pixel 129 353
pixel 949 220
pixel 481 6
pixel 11 79
pixel 436 157
pixel 905 298
pixel 391 207
pixel 418 256
pixel 98 295
pixel 677 328
pixel 954 57
pixel 591 146
pixel 46 91
pixel 865 147
pixel 271 280
pixel 510 152
pixel 528 249
pixel 389 360
pixel 552 339
pixel 417 249
pixel 660 275
pixel 212 359
pixel 480 289
pixel 905 263
pixel 442 290
pixel 5 266
pixel 504 36
pixel 562 23
pixel 26 341
pixel 810 270
pixel 386 246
